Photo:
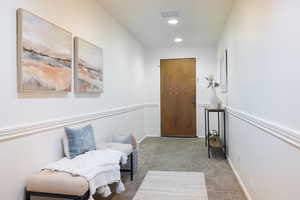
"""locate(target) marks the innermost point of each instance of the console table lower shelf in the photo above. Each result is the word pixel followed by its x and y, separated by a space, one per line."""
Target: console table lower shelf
pixel 214 138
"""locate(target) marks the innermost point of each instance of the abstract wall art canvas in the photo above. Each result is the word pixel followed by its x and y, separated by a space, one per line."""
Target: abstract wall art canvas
pixel 88 67
pixel 44 55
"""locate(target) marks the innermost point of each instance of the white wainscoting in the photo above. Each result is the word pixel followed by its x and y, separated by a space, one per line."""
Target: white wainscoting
pixel 286 134
pixel 28 129
pixel 237 175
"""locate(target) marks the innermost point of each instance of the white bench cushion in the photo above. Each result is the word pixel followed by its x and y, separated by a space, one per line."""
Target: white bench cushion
pixel 48 181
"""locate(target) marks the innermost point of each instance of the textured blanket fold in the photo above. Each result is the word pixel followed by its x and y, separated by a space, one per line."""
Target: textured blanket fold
pixel 99 167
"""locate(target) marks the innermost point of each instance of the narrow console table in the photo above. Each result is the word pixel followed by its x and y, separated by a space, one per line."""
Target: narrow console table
pixel 214 138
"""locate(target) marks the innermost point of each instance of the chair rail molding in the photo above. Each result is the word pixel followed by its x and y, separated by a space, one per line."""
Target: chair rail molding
pixel 33 128
pixel 285 134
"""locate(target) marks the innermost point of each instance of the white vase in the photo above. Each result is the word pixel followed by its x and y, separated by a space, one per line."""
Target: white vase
pixel 215 101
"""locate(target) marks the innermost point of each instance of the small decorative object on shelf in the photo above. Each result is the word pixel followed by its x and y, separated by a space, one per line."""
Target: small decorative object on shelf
pixel 215 101
pixel 215 141
pixel 214 138
pixel 214 133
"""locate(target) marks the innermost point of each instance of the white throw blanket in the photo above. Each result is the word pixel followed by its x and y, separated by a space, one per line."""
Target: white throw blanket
pixel 99 167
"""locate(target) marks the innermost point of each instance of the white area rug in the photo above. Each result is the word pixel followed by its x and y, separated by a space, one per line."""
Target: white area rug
pixel 159 185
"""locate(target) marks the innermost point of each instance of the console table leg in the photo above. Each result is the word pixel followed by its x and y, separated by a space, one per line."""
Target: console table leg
pixel 225 144
pixel 27 195
pixel 208 135
pixel 205 130
pixel 131 167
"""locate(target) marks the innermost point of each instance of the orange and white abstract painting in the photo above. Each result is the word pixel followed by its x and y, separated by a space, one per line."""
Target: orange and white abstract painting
pixel 88 67
pixel 44 56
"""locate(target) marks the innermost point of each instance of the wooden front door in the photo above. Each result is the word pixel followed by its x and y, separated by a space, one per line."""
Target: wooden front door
pixel 178 97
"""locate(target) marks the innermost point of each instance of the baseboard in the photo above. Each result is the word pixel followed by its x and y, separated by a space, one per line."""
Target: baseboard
pixel 141 139
pixel 247 194
pixel 153 135
pixel 146 136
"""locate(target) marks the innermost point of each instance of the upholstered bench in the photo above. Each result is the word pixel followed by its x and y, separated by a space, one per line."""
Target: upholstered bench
pixel 55 184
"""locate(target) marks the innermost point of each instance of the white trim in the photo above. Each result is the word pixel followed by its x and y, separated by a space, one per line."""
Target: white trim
pixel 146 136
pixel 247 194
pixel 197 97
pixel 286 134
pixel 141 139
pixel 29 129
pixel 153 135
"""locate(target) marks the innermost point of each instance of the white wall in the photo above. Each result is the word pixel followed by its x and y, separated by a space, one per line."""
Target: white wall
pixel 262 38
pixel 123 61
pixel 123 86
pixel 206 64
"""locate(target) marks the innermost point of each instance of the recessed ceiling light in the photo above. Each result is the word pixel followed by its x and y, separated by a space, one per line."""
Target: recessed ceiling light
pixel 173 21
pixel 178 40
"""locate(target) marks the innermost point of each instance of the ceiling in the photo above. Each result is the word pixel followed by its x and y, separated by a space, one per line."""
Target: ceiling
pixel 200 21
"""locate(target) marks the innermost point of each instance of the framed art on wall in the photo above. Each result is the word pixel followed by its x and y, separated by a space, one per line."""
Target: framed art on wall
pixel 44 55
pixel 224 71
pixel 88 67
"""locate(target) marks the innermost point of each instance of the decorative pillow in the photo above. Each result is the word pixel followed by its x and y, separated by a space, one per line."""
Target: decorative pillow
pixel 66 146
pixel 133 141
pixel 80 140
pixel 125 139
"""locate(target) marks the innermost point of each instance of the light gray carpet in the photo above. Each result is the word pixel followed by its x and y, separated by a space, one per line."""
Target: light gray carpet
pixel 190 155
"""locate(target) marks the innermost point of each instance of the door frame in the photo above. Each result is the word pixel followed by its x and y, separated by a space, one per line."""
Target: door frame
pixel 197 93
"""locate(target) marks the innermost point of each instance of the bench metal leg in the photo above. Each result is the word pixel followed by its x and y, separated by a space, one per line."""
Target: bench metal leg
pixel 130 170
pixel 131 166
pixel 27 195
